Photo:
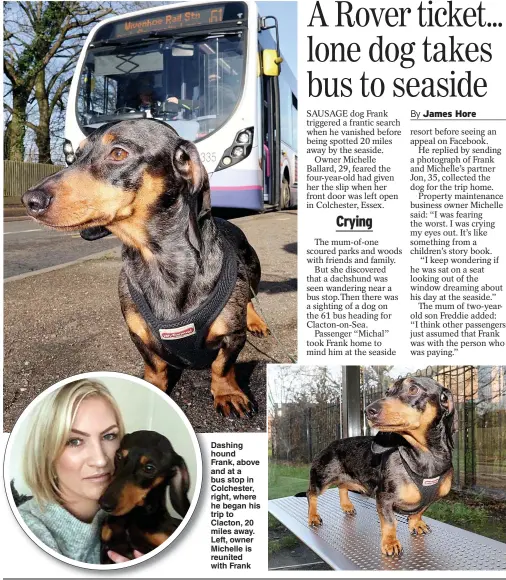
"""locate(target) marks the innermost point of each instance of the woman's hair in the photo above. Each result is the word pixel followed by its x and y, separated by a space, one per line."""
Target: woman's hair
pixel 50 431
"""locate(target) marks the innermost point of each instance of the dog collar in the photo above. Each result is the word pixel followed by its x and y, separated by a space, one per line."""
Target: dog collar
pixel 184 338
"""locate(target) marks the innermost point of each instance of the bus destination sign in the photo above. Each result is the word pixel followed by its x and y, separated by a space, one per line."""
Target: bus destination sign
pixel 168 21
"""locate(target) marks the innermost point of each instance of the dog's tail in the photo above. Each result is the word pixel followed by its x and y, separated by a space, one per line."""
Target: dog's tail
pixel 301 494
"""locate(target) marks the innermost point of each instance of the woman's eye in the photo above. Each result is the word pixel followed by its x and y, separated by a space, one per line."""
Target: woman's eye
pixel 111 436
pixel 74 442
pixel 413 390
pixel 118 154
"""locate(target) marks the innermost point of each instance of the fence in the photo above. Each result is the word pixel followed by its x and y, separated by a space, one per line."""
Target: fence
pixel 299 432
pixel 19 176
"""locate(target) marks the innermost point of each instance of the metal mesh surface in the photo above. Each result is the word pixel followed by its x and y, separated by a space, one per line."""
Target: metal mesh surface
pixel 353 542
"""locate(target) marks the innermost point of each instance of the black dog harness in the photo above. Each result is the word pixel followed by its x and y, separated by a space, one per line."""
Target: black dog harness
pixel 427 486
pixel 184 337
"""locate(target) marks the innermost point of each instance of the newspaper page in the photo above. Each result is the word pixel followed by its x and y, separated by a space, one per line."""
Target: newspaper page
pixel 254 306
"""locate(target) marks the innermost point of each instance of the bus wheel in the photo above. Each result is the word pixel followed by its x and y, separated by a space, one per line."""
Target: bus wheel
pixel 285 195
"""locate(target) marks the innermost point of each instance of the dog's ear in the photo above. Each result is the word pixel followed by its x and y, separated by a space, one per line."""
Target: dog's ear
pixel 188 165
pixel 450 416
pixel 179 486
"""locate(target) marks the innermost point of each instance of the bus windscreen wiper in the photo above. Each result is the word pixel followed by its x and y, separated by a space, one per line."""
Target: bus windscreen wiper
pixel 100 43
pixel 124 42
pixel 112 117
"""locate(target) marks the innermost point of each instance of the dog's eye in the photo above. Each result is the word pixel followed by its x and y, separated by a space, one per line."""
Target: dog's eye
pixel 413 390
pixel 149 468
pixel 444 398
pixel 118 154
pixel 118 456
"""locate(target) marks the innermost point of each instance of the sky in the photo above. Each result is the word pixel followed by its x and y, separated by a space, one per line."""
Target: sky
pixel 286 13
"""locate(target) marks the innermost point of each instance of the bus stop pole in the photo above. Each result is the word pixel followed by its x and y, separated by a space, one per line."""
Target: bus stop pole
pixel 351 401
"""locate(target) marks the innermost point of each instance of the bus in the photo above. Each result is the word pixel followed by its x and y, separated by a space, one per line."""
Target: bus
pixel 211 70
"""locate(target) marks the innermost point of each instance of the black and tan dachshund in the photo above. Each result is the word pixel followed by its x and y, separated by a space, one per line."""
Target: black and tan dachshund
pixel 406 466
pixel 187 279
pixel 145 465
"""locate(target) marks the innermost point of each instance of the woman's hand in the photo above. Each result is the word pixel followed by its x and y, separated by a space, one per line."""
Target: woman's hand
pixel 118 558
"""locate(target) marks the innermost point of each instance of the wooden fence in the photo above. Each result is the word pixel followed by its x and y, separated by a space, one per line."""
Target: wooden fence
pixel 18 177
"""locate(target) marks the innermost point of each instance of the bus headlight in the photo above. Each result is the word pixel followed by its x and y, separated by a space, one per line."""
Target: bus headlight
pixel 67 147
pixel 243 137
pixel 239 150
pixel 68 151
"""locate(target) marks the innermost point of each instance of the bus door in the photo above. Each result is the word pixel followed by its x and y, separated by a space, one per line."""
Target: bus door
pixel 271 133
pixel 270 154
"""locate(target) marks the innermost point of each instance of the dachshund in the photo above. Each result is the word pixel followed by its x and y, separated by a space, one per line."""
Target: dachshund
pixel 406 466
pixel 187 278
pixel 135 500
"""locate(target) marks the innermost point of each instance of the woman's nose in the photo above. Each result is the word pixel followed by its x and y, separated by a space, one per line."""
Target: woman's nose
pixel 98 456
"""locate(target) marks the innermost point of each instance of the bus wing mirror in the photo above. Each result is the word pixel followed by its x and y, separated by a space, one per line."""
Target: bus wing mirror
pixel 270 62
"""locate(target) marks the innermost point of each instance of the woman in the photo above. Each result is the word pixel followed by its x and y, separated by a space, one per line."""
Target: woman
pixel 68 463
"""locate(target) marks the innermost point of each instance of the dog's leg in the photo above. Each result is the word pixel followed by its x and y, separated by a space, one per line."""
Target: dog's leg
pixel 416 525
pixel 390 545
pixel 228 396
pixel 344 500
pixel 155 369
pixel 313 517
pixel 256 325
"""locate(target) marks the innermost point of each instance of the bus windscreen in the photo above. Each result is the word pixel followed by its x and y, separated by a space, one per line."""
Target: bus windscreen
pixel 193 85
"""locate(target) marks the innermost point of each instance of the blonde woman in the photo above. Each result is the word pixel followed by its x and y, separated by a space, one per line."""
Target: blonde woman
pixel 68 463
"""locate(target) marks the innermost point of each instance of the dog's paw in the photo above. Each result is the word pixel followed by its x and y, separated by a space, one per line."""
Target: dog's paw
pixel 418 528
pixel 348 508
pixel 258 328
pixel 315 521
pixel 391 547
pixel 234 404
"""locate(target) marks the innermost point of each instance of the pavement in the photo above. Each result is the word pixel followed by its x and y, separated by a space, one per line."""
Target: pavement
pixel 65 320
pixel 30 246
pixel 14 211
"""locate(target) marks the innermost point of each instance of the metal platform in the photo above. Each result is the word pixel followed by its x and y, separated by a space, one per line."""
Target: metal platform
pixel 353 542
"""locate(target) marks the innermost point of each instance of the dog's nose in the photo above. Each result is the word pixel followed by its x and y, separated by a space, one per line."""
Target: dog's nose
pixel 106 504
pixel 36 201
pixel 373 410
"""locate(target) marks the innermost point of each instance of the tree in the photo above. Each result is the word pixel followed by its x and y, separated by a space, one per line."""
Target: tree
pixel 42 41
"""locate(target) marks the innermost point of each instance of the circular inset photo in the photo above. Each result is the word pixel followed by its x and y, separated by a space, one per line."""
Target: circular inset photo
pixel 103 470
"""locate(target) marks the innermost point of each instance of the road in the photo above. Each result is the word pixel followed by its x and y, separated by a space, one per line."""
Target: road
pixel 28 247
pixel 64 321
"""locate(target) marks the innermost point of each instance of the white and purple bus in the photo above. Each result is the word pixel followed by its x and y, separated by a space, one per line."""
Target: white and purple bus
pixel 212 70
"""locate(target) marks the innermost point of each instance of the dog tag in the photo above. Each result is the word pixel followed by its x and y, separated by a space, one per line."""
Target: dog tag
pixel 431 481
pixel 177 333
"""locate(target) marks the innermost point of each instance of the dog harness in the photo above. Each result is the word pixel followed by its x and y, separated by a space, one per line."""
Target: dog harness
pixel 185 337
pixel 427 486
